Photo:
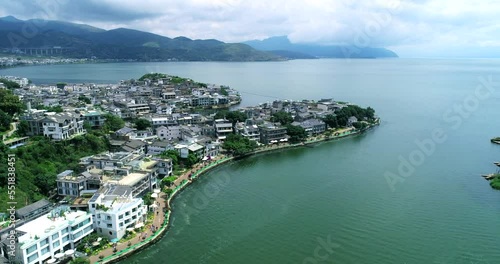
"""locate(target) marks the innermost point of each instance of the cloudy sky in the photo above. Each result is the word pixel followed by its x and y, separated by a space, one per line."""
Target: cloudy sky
pixel 412 28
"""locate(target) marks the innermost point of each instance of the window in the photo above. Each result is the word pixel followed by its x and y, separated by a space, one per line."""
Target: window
pixel 93 205
pixel 54 236
pixel 44 242
pixel 120 217
pixel 66 238
pixel 55 244
pixel 110 225
pixel 108 217
pixel 45 250
pixel 32 257
pixel 31 249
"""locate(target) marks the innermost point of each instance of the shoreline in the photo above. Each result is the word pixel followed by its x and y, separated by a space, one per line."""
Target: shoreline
pixel 155 237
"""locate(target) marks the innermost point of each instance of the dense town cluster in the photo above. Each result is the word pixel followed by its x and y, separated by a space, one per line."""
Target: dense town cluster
pixel 21 61
pixel 164 114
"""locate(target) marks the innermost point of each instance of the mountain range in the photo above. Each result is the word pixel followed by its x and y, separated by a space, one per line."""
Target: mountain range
pixel 282 46
pixel 84 41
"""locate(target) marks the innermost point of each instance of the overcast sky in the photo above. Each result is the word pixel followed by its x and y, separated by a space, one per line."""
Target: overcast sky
pixel 412 28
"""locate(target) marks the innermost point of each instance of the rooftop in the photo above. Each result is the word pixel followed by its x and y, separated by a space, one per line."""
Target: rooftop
pixel 43 225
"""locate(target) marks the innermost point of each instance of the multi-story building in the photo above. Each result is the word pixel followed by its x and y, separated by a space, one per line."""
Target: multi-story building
pixel 114 209
pixel 248 129
pixel 57 126
pixel 70 184
pixel 270 133
pixel 168 132
pixel 56 232
pixel 61 126
pixel 223 127
pixel 94 118
pixel 312 126
pixel 163 121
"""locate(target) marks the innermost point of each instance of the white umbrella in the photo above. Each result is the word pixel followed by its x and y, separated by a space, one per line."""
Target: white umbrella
pixel 154 195
pixel 99 239
pixel 157 191
pixel 205 158
pixel 95 244
pixel 59 255
pixel 154 205
pixel 69 252
pixel 139 225
pixel 50 261
pixel 130 229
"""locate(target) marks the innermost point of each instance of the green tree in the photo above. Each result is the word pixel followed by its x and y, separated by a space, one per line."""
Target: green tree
pixel 233 116
pixel 191 160
pixel 113 123
pixel 147 199
pixel 239 145
pixel 5 120
pixel 9 102
pixel 84 99
pixel 296 133
pixel 167 181
pixel 22 128
pixel 171 154
pixel 359 125
pixel 282 117
pixel 331 121
pixel 9 84
pixel 142 124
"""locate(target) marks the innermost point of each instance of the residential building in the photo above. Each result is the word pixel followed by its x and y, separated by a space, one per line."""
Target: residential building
pixel 312 126
pixel 70 184
pixel 114 209
pixel 61 126
pixel 223 127
pixel 270 133
pixel 94 118
pixel 50 234
pixel 168 132
pixel 249 129
pixel 33 210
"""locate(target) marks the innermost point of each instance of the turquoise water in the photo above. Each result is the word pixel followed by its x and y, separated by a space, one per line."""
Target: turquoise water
pixel 283 207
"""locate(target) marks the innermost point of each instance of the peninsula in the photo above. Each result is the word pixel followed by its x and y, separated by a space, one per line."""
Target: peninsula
pixel 110 157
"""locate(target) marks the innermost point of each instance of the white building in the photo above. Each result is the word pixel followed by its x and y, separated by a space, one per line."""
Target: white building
pixel 55 232
pixel 62 126
pixel 168 132
pixel 114 209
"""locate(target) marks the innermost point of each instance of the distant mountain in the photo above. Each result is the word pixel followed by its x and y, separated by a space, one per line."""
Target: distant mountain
pixel 84 41
pixel 282 43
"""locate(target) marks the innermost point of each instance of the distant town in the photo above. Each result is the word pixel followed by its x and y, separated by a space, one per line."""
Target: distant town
pixel 114 152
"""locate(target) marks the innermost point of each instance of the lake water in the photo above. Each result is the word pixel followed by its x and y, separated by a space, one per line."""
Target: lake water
pixel 334 202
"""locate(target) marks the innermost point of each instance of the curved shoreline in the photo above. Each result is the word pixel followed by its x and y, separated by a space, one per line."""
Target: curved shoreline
pixel 122 254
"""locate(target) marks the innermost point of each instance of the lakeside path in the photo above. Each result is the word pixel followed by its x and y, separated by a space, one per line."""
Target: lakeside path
pixel 162 218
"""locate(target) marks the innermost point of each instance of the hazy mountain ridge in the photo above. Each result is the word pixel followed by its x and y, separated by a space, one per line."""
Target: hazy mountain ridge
pixel 85 41
pixel 282 43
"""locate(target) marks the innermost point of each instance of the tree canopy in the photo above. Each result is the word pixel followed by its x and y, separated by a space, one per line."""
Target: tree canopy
pixel 113 123
pixel 297 134
pixel 9 84
pixel 282 117
pixel 142 123
pixel 153 76
pixel 39 162
pixel 233 116
pixel 239 145
pixel 10 102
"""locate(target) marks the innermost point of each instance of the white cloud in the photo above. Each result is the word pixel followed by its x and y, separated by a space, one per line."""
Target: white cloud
pixel 410 27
